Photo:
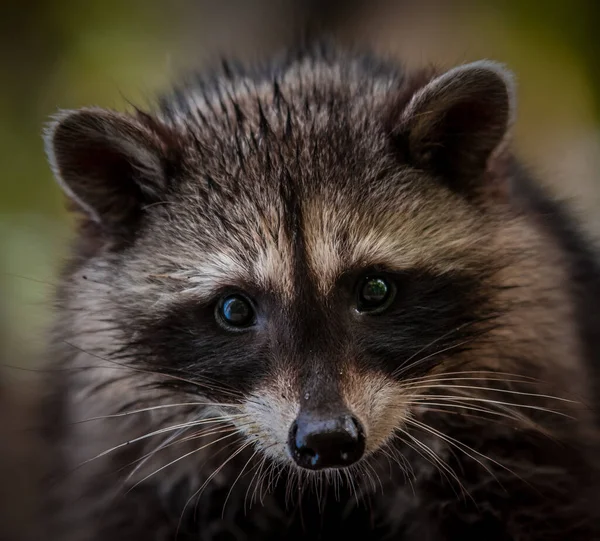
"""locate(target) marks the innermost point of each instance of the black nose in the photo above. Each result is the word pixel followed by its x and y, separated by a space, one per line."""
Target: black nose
pixel 316 443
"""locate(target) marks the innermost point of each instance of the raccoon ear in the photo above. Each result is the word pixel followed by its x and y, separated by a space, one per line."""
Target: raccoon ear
pixel 110 164
pixel 454 124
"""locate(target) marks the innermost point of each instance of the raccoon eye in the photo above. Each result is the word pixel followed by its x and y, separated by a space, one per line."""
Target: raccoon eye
pixel 235 311
pixel 375 294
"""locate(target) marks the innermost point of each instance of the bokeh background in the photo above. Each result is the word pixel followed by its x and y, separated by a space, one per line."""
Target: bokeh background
pixel 65 54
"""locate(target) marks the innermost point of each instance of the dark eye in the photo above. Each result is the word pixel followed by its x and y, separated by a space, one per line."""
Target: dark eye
pixel 375 294
pixel 235 311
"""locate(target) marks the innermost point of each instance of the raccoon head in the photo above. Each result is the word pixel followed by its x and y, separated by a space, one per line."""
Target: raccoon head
pixel 301 253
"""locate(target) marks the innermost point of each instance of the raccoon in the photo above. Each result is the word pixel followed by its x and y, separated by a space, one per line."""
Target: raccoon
pixel 320 297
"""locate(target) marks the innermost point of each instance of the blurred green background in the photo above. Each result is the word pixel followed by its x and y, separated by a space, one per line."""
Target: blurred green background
pixel 64 54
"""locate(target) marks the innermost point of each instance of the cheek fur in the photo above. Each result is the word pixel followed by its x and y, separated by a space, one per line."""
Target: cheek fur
pixel 271 410
pixel 380 403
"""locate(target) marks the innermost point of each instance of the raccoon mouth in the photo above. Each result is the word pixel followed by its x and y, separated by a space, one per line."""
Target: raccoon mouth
pixel 318 443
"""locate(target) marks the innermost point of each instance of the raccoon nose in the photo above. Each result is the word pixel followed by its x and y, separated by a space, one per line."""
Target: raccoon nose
pixel 316 443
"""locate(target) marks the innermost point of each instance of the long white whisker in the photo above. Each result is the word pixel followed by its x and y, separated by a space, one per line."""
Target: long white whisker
pixel 236 480
pixel 411 366
pixel 370 466
pixel 153 408
pixel 458 444
pixel 197 422
pixel 224 428
pixel 256 473
pixel 437 461
pixel 492 389
pixel 482 374
pixel 458 399
pixel 183 457
pixel 513 416
pixel 148 456
pixel 461 446
pixel 406 364
pixel 224 390
pixel 198 493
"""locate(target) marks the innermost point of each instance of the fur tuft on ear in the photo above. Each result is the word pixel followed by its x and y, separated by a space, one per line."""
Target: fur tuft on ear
pixel 110 164
pixel 457 122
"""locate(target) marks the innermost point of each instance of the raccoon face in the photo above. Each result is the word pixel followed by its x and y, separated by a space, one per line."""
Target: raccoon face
pixel 301 258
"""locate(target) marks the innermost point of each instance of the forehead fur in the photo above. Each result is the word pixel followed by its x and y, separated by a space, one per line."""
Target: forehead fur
pixel 296 165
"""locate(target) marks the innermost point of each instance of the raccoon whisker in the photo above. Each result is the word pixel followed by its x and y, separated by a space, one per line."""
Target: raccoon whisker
pixel 329 476
pixel 202 447
pixel 292 480
pixel 458 445
pixel 254 468
pixel 154 372
pixel 337 482
pixel 362 492
pixel 172 440
pixel 405 462
pixel 58 370
pixel 513 416
pixel 405 365
pixel 197 435
pixel 391 460
pixel 365 494
pixel 458 382
pixel 256 473
pixel 462 446
pixel 219 450
pixel 261 481
pixel 236 480
pixel 482 375
pixel 226 425
pixel 350 480
pixel 458 399
pixel 153 408
pixel 270 479
pixel 433 458
pixel 198 382
pixel 198 492
pixel 492 389
pixel 318 488
pixel 139 463
pixel 449 377
pixel 326 485
pixel 218 385
pixel 368 465
pixel 504 412
pixel 405 466
pixel 301 487
pixel 434 461
pixel 30 279
pixel 160 431
pixel 280 472
pixel 274 476
pixel 295 493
